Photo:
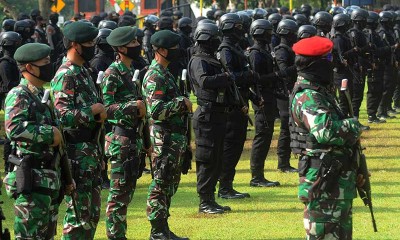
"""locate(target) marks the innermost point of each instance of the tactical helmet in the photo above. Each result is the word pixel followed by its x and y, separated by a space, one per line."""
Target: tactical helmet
pixel 206 31
pixel 284 10
pixel 166 13
pixel 139 33
pixel 165 23
pixel 228 21
pixel 218 14
pixel 322 19
pixel 10 38
pixel 286 27
pixel 107 24
pixel 258 13
pixel 306 31
pixel 301 19
pixel 206 20
pixel 210 14
pixel 184 22
pixel 177 14
pixel 341 20
pixel 385 16
pixel 8 25
pixel 150 20
pixel 269 12
pixel 359 15
pixel 126 20
pixel 373 19
pixel 387 7
pixel 337 10
pixel 306 9
pixel 274 19
pixel 102 35
pixel 295 11
pixel 398 15
pixel 95 19
pixel 246 20
pixel 260 27
pixel 35 13
pixel 23 27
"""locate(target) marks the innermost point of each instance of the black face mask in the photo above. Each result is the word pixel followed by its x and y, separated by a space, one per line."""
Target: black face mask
pixel 133 52
pixel 46 72
pixel 173 55
pixel 187 30
pixel 320 71
pixel 87 53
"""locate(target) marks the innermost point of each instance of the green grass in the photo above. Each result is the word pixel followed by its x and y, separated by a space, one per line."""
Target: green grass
pixel 270 213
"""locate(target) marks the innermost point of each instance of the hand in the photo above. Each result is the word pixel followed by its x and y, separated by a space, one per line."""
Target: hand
pixel 360 180
pixel 57 137
pixel 97 108
pixel 261 102
pixel 141 107
pixel 188 104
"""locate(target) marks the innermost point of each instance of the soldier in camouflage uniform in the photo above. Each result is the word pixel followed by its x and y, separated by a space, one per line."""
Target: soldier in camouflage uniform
pixel 324 137
pixel 35 182
pixel 166 108
pixel 123 144
pixel 81 114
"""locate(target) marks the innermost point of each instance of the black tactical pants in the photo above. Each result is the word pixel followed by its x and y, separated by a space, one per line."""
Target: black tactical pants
pixel 283 150
pixel 374 93
pixel 396 94
pixel 236 130
pixel 389 84
pixel 209 129
pixel 358 93
pixel 262 140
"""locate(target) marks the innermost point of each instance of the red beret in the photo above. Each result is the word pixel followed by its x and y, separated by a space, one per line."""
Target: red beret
pixel 313 46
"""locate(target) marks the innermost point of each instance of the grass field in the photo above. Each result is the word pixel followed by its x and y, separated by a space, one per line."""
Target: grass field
pixel 270 213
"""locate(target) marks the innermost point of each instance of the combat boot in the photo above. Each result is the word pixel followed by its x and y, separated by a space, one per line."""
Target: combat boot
pixel 209 206
pixel 262 182
pixel 226 191
pixel 159 230
pixel 172 235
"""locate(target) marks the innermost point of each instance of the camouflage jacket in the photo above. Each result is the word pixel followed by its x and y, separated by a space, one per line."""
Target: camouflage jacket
pixel 314 110
pixel 165 104
pixel 29 125
pixel 74 93
pixel 120 95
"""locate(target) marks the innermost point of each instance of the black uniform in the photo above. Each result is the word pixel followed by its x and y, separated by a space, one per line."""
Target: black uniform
pixel 148 50
pixel 102 60
pixel 396 94
pixel 285 61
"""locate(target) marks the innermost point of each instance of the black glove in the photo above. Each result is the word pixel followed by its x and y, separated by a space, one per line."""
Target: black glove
pixel 187 161
pixel 142 164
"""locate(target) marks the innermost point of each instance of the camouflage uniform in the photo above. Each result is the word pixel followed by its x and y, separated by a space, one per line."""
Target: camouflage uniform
pixel 165 107
pixel 327 214
pixel 120 95
pixel 30 126
pixel 74 93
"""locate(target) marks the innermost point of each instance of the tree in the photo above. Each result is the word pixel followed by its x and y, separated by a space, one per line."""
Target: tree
pixel 44 7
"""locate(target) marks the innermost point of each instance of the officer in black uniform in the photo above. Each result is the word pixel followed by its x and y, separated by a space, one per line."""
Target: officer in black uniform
pixel 362 65
pixel 323 22
pixel 186 42
pixel 306 31
pixel 210 85
pixel 246 41
pixel 262 62
pixel 396 94
pixel 375 77
pixel 9 77
pixel 344 56
pixel 104 52
pixel 301 20
pixel 24 28
pixel 107 24
pixel 389 80
pixel 234 60
pixel 54 37
pixel 274 19
pixel 150 23
pixel 8 25
pixel 284 55
pixel 306 10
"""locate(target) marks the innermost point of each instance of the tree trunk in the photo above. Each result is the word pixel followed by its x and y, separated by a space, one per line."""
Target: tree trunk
pixel 44 7
pixel 9 9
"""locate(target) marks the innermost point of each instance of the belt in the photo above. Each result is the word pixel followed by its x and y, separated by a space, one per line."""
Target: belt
pixel 315 162
pixel 121 131
pixel 213 107
pixel 170 128
pixel 79 135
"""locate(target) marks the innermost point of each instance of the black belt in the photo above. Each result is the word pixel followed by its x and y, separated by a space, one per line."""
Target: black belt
pixel 170 128
pixel 315 162
pixel 129 133
pixel 79 135
pixel 213 107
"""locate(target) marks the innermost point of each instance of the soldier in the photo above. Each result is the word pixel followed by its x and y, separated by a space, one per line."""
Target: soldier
pixel 123 145
pixel 261 61
pixel 81 113
pixel 275 19
pixel 9 77
pixel 327 212
pixel 54 37
pixel 166 108
pixel 323 22
pixel 105 53
pixel 150 23
pixel 210 85
pixel 185 30
pixel 34 182
pixel 306 31
pixel 284 55
pixel 8 25
pixel 23 27
pixel 234 61
pixel 301 20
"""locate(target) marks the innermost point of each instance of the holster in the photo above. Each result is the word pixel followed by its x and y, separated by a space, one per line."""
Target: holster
pixel 131 165
pixel 24 177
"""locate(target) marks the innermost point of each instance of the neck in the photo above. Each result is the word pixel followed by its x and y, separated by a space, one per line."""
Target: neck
pixel 33 80
pixel 74 57
pixel 126 60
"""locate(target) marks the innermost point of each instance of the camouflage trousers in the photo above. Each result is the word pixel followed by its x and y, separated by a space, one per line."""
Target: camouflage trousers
pixel 168 149
pixel 328 219
pixel 86 170
pixel 33 216
pixel 120 149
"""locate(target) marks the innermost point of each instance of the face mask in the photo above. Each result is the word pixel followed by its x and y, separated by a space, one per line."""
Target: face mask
pixel 173 55
pixel 186 29
pixel 133 52
pixel 87 53
pixel 46 72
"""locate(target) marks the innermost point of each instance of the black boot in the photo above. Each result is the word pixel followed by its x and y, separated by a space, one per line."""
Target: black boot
pixel 226 191
pixel 260 181
pixel 172 235
pixel 209 206
pixel 159 229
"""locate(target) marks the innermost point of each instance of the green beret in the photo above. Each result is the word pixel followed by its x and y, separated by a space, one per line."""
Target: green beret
pixel 80 32
pixel 31 52
pixel 121 36
pixel 165 39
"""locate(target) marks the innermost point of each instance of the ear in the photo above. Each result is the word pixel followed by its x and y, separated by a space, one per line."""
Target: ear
pixel 122 50
pixel 28 67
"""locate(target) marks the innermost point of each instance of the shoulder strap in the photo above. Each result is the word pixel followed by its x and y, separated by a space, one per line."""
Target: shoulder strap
pixel 36 100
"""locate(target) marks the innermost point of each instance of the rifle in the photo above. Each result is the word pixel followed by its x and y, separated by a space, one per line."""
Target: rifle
pixel 235 90
pixel 364 191
pixel 188 156
pixel 100 136
pixel 64 162
pixel 143 128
